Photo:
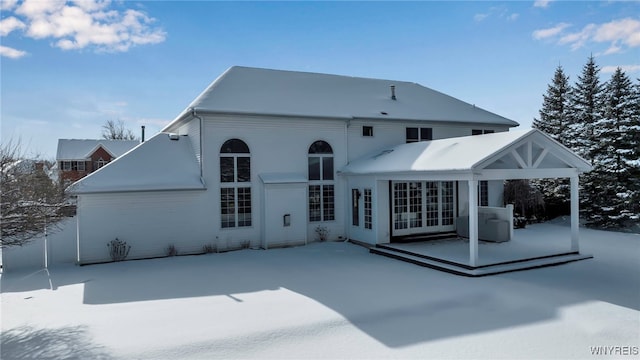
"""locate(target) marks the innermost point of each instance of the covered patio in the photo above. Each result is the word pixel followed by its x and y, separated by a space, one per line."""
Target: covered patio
pixel 529 154
pixel 534 246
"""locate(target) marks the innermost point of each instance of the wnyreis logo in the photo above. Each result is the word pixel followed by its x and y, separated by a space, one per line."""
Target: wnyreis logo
pixel 615 350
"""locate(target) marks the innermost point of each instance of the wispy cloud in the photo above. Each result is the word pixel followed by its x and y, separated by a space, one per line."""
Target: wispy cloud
pixel 480 17
pixel 542 3
pixel 11 53
pixel 496 11
pixel 79 24
pixel 625 68
pixel 618 35
pixel 550 32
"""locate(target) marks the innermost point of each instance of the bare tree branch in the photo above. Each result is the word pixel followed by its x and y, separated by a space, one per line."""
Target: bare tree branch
pixel 115 130
pixel 29 199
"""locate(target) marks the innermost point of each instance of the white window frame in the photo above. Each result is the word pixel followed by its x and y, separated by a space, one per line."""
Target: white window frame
pixel 238 187
pixel 327 202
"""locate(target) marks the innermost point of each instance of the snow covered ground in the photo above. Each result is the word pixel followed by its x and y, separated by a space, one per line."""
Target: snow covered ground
pixel 326 300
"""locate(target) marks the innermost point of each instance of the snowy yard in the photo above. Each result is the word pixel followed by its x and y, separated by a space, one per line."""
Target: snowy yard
pixel 325 300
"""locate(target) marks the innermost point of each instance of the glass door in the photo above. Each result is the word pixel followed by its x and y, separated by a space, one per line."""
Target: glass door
pixel 423 207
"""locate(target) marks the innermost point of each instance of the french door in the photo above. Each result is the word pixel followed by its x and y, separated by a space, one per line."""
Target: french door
pixel 423 207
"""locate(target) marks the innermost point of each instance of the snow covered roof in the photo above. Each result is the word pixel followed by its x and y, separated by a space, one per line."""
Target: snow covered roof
pixel 522 149
pixel 244 90
pixel 80 149
pixel 159 163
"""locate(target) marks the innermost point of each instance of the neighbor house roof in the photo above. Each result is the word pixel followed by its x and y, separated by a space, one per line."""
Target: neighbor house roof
pixel 244 90
pixel 79 149
pixel 164 162
pixel 522 149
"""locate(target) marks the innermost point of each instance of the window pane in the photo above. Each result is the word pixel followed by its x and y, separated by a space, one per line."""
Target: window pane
pixel 327 168
pixel 320 147
pixel 327 203
pixel 355 209
pixel 227 207
pixel 483 194
pixel 368 218
pixel 489 131
pixel 234 146
pixel 244 169
pixel 447 203
pixel 314 203
pixel 432 203
pixel 426 134
pixel 367 131
pixel 400 205
pixel 244 206
pixel 412 135
pixel 314 168
pixel 476 132
pixel 226 169
pixel 415 204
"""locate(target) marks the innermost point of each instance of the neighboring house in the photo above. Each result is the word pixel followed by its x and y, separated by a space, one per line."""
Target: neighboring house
pixel 77 158
pixel 266 158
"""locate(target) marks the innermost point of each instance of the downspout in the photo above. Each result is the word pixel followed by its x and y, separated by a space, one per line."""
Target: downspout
pixel 347 227
pixel 200 125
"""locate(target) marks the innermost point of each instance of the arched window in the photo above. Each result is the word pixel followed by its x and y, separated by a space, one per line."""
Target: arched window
pixel 100 163
pixel 321 182
pixel 235 184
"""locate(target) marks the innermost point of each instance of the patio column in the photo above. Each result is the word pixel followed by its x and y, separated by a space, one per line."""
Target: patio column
pixel 473 222
pixel 575 214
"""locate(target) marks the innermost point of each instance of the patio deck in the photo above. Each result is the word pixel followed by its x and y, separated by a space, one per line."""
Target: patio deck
pixel 535 246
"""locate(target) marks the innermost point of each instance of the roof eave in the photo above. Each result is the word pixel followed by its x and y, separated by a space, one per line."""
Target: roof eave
pixel 111 191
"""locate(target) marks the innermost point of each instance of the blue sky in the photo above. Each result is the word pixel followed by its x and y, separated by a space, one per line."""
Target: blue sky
pixel 69 66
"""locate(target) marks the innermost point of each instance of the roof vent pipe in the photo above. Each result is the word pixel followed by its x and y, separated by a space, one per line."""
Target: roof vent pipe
pixel 393 92
pixel 142 134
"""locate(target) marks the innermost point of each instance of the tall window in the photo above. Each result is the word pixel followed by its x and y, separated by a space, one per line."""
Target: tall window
pixel 368 219
pixel 415 134
pixel 483 193
pixel 355 207
pixel 235 184
pixel 321 184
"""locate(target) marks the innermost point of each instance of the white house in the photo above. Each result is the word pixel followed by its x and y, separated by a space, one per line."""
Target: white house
pixel 265 158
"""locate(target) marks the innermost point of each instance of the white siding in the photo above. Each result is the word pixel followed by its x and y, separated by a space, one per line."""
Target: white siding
pixel 360 233
pixel 61 249
pixel 496 193
pixel 282 200
pixel 385 134
pixel 390 133
pixel 192 128
pixel 148 221
pixel 276 146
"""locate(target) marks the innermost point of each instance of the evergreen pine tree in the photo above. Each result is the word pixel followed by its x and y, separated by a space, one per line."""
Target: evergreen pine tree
pixel 586 112
pixel 615 165
pixel 555 112
pixel 555 117
pixel 633 136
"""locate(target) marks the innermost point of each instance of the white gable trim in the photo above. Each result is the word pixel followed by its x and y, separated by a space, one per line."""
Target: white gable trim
pixel 522 151
pixel 95 148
